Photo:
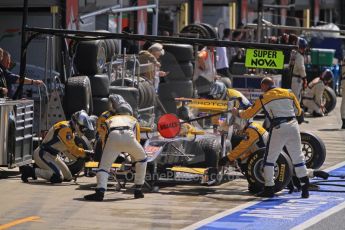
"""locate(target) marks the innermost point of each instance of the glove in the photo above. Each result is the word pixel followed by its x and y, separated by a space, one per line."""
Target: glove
pixel 89 154
pixel 300 118
pixel 223 161
pixel 305 83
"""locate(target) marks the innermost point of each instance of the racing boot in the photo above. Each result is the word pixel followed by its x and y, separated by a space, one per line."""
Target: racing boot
pixel 291 187
pixel 294 185
pixel 27 171
pixel 267 192
pixel 253 190
pixel 315 114
pixel 137 192
pixel 322 174
pixel 343 126
pixel 304 187
pixel 34 166
pixel 97 196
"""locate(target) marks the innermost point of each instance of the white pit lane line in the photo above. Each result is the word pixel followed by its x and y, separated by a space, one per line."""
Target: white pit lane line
pixel 303 225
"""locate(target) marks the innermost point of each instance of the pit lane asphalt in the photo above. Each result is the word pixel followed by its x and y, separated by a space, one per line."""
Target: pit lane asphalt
pixel 173 207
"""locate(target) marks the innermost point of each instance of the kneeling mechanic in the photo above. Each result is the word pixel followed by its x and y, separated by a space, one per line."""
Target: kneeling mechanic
pixel 59 140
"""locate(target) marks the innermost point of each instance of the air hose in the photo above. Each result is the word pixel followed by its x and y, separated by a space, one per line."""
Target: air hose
pixel 331 183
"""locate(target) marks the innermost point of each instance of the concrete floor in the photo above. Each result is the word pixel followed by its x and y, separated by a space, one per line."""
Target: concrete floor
pixel 173 207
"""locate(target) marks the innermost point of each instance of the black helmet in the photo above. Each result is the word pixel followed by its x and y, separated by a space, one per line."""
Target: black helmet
pixel 302 43
pixel 81 122
pixel 327 75
pixel 119 105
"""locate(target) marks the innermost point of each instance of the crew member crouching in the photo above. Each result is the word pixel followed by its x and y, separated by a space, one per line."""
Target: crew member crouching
pixel 312 98
pixel 122 135
pixel 59 140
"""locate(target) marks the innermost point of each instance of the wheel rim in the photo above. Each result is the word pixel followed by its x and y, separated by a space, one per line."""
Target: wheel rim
pixel 101 58
pixel 308 151
pixel 325 98
pixel 259 173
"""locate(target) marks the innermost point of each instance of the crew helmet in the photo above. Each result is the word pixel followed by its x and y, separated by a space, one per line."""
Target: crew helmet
pixel 302 43
pixel 240 123
pixel 218 90
pixel 118 105
pixel 327 75
pixel 93 119
pixel 81 122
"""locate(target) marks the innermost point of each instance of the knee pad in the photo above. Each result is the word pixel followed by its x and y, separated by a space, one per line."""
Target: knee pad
pixel 56 179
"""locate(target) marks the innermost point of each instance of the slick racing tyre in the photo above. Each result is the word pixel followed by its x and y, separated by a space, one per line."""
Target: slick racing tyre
pixel 100 85
pixel 283 170
pixel 90 57
pixel 182 52
pixel 211 30
pixel 78 95
pixel 313 149
pixel 192 30
pixel 330 99
pixel 77 165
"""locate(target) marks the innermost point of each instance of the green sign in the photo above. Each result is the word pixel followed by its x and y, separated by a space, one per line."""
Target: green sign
pixel 265 59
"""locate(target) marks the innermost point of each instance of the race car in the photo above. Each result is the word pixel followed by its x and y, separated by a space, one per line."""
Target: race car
pixel 191 153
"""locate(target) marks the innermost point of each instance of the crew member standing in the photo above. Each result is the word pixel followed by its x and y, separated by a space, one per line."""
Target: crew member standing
pixel 123 135
pixel 253 137
pixel 204 71
pixel 281 107
pixel 299 76
pixel 11 78
pixel 222 61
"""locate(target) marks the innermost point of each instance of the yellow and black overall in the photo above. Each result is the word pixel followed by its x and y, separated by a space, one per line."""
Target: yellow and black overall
pixel 121 134
pixel 281 107
pixel 59 139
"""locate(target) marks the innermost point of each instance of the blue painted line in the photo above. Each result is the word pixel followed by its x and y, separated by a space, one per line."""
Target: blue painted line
pixel 284 211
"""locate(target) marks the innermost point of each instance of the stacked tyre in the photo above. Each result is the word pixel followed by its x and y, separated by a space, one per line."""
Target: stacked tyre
pixel 146 91
pixel 177 61
pixel 78 95
pixel 204 31
pixel 139 93
pixel 100 93
pixel 90 59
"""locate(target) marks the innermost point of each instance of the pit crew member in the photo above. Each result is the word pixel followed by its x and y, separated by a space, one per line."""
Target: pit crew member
pixel 281 107
pixel 312 98
pixel 59 140
pixel 253 137
pixel 122 135
pixel 299 76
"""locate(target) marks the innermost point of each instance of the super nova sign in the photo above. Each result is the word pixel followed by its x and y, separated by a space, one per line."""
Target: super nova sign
pixel 266 59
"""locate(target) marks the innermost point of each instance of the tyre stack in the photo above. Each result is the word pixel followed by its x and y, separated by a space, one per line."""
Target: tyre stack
pixel 177 60
pixel 90 91
pixel 100 93
pixel 203 31
pixel 78 95
pixel 139 94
